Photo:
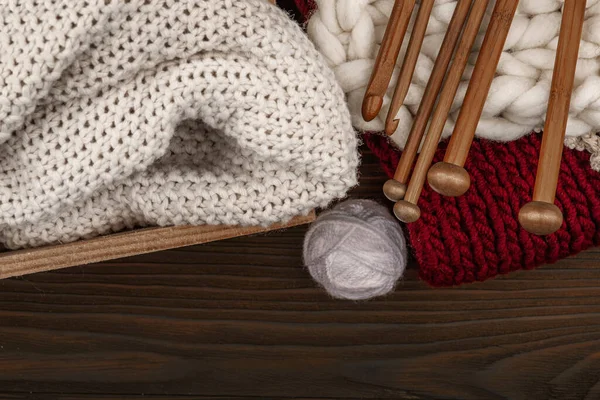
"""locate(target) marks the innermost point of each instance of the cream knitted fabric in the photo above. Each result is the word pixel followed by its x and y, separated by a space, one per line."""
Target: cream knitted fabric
pixel 348 33
pixel 116 114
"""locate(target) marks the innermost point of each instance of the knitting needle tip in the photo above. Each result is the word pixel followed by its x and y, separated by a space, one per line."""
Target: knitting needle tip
pixel 540 218
pixel 391 126
pixel 371 107
pixel 407 212
pixel 394 190
pixel 449 179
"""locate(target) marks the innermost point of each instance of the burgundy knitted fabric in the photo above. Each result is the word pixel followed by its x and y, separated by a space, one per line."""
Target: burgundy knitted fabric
pixel 477 236
pixel 298 9
pixel 305 6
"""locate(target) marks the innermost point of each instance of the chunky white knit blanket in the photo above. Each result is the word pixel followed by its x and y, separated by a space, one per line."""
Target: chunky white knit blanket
pixel 348 34
pixel 116 114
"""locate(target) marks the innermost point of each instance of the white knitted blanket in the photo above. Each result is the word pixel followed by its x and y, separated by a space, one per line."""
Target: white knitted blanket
pixel 116 114
pixel 348 33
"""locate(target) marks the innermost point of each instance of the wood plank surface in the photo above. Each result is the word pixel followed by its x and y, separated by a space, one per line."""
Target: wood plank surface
pixel 241 319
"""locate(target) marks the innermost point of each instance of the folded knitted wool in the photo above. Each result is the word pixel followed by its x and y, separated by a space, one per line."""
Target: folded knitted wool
pixel 348 34
pixel 115 114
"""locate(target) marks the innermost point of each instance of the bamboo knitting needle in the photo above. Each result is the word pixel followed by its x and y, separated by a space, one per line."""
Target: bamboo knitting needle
pixel 407 210
pixel 394 189
pixel 409 64
pixel 386 58
pixel 449 177
pixel 541 216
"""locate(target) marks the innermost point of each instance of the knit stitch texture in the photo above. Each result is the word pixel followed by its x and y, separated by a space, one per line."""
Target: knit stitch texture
pixel 348 33
pixel 477 236
pixel 116 114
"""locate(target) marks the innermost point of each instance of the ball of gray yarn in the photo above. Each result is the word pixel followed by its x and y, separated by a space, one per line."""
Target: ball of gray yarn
pixel 356 251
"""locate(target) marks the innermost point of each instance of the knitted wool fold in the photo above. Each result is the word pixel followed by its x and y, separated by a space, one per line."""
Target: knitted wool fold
pixel 478 236
pixel 349 32
pixel 119 114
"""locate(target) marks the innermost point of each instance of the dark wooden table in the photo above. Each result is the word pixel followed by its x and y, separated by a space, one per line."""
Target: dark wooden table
pixel 242 319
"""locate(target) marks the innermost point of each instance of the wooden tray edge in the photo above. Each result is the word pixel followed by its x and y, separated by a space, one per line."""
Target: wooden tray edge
pixel 110 247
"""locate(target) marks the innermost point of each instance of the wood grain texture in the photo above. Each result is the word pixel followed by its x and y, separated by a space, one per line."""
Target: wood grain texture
pixel 125 244
pixel 386 58
pixel 481 81
pixel 430 95
pixel 560 101
pixel 242 319
pixel 444 104
pixel 541 216
pixel 407 70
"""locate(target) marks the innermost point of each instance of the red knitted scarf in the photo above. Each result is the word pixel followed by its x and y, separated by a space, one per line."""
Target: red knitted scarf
pixel 477 236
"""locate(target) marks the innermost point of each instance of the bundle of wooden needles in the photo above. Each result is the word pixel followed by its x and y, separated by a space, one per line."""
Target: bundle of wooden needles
pixel 541 216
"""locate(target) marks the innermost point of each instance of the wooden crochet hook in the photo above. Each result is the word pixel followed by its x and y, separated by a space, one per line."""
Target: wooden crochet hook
pixel 449 177
pixel 541 216
pixel 407 210
pixel 408 66
pixel 394 189
pixel 386 58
